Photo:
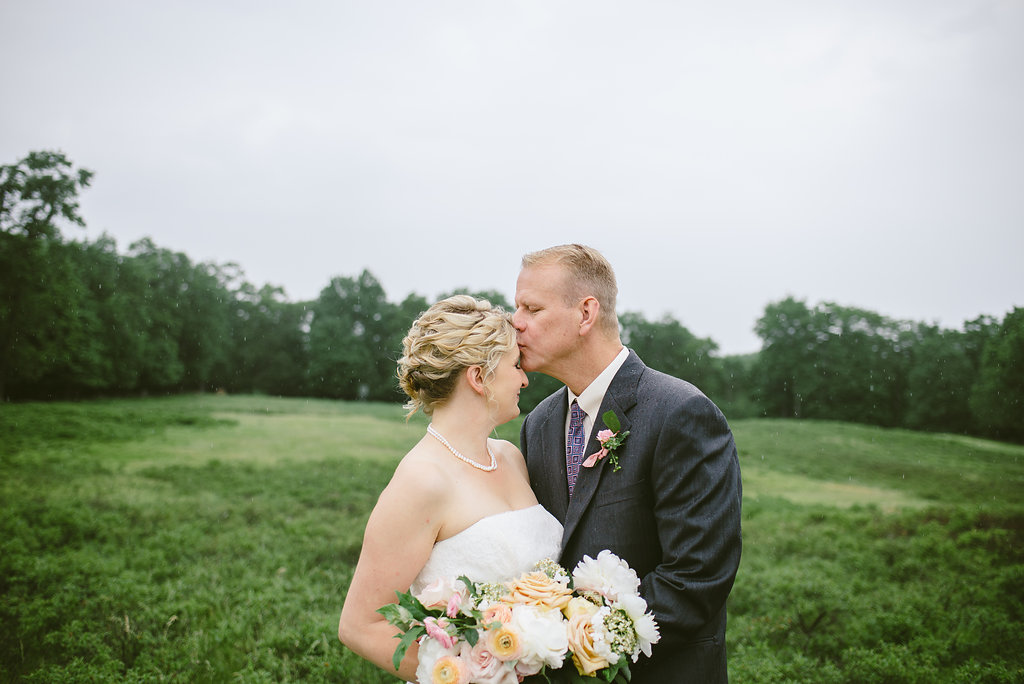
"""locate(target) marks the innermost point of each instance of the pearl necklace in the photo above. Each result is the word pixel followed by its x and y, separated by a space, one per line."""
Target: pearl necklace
pixel 458 455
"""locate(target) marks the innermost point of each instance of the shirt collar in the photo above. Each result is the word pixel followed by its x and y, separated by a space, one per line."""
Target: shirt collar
pixel 590 399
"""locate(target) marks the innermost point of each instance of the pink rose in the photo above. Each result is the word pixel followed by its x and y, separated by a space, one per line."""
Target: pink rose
pixel 604 435
pixel 436 593
pixel 454 603
pixel 436 631
pixel 484 668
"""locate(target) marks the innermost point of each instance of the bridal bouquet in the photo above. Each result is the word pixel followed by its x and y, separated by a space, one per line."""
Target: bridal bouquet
pixel 543 622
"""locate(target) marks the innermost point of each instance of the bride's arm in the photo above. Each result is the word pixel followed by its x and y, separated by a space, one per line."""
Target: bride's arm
pixel 396 545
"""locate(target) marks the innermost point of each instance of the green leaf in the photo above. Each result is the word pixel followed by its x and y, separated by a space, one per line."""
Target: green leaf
pixel 394 615
pixel 413 605
pixel 407 639
pixel 612 421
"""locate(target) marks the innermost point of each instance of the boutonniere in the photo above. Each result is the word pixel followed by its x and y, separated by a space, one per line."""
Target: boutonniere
pixel 610 439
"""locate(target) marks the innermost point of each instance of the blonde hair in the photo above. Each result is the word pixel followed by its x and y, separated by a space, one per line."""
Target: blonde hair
pixel 447 338
pixel 587 273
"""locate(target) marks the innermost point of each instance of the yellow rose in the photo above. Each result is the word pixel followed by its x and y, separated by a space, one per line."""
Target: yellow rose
pixel 537 589
pixel 581 644
pixel 579 606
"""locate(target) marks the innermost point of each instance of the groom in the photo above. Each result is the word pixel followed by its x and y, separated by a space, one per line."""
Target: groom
pixel 672 510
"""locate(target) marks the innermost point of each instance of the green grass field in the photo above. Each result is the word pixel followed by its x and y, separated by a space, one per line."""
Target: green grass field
pixel 211 539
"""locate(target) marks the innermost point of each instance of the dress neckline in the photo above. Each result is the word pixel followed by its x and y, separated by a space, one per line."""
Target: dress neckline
pixel 486 518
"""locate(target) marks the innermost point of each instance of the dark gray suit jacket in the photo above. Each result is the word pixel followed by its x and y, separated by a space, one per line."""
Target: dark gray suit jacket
pixel 672 511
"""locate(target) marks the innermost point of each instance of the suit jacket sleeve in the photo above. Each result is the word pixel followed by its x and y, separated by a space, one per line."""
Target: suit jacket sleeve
pixel 696 495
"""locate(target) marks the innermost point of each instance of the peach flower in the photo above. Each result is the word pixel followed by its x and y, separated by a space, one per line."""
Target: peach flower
pixel 580 606
pixel 450 669
pixel 497 612
pixel 537 589
pixel 581 643
pixel 504 643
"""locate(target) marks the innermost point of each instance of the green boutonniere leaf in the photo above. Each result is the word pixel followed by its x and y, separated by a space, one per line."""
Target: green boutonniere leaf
pixel 612 421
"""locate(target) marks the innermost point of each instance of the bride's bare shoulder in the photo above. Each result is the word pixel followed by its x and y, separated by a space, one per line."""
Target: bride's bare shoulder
pixel 420 475
pixel 509 454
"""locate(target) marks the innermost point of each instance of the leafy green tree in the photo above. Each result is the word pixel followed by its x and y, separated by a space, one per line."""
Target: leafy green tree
pixel 997 400
pixel 37 192
pixel 37 289
pixel 350 334
pixel 159 275
pixel 977 333
pixel 939 380
pixel 493 296
pixel 738 396
pixel 204 306
pixel 860 371
pixel 269 349
pixel 670 347
pixel 832 362
pixel 789 333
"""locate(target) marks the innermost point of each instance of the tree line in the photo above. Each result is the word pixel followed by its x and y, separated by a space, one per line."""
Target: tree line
pixel 81 319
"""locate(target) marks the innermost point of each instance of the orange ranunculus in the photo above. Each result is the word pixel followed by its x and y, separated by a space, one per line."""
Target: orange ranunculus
pixel 537 589
pixel 497 612
pixel 450 670
pixel 504 643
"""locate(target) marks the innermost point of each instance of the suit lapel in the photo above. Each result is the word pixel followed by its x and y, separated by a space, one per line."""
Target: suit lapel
pixel 620 398
pixel 552 440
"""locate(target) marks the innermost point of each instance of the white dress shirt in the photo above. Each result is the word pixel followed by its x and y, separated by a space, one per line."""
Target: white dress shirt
pixel 590 399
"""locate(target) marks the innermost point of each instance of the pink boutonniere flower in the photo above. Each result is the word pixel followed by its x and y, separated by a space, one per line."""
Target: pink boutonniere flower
pixel 610 439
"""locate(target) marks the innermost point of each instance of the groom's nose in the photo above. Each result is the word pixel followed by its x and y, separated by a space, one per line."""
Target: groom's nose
pixel 517 319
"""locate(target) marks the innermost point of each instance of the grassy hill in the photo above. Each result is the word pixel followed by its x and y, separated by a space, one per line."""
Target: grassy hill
pixel 212 538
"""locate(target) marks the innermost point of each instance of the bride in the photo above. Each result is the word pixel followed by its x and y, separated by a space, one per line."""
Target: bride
pixel 459 503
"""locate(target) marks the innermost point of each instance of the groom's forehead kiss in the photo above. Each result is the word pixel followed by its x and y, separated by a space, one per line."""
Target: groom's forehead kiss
pixel 540 286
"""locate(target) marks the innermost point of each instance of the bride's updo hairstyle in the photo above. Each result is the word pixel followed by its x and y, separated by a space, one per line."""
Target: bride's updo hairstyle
pixel 447 338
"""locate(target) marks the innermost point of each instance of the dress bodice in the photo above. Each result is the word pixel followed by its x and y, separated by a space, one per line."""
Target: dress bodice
pixel 494 549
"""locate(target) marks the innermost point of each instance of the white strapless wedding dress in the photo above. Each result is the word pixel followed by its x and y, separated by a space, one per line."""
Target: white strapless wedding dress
pixel 497 548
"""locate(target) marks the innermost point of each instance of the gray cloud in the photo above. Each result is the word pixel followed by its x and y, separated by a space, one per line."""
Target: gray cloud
pixel 723 157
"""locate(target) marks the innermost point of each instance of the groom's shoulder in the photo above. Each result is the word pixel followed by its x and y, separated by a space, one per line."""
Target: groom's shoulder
pixel 550 402
pixel 654 381
pixel 547 404
pixel 659 388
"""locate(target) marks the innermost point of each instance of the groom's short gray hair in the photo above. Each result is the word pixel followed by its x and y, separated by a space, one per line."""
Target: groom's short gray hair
pixel 588 273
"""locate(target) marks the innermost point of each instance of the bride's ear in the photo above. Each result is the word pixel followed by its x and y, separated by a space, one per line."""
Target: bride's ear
pixel 475 378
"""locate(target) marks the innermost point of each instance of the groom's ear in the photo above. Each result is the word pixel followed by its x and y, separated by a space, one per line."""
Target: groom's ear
pixel 590 309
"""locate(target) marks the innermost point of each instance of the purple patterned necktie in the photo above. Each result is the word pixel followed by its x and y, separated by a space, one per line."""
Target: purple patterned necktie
pixel 574 444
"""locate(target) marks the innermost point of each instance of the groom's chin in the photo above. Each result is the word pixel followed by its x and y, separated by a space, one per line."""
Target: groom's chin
pixel 527 364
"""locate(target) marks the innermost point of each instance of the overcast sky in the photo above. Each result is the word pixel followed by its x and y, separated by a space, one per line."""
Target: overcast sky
pixel 722 155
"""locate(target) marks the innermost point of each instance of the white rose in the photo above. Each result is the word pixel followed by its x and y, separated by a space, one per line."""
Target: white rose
pixel 608 575
pixel 545 639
